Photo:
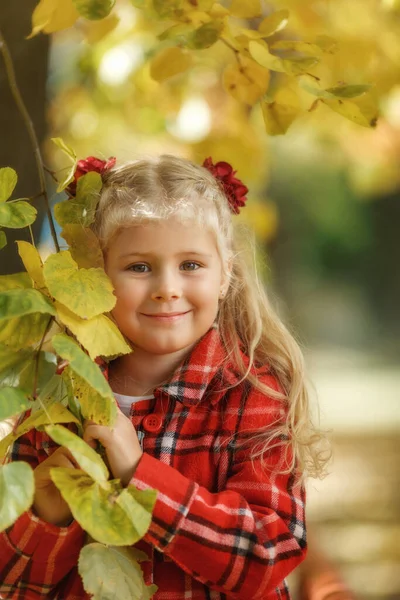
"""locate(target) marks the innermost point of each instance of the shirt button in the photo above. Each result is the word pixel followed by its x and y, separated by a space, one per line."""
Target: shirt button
pixel 152 423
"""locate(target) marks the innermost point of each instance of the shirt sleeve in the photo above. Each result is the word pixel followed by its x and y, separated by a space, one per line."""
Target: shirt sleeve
pixel 35 555
pixel 243 540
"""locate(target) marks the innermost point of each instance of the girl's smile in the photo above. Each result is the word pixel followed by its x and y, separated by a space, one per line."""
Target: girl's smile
pixel 167 278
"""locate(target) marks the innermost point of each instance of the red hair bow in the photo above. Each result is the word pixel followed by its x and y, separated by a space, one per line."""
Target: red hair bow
pixel 86 165
pixel 234 189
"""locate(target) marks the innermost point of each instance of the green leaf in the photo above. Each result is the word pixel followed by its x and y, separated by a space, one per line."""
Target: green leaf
pixel 8 181
pixel 94 9
pixel 23 331
pixel 17 487
pixel 294 66
pixel 13 401
pixel 85 292
pixel 54 414
pixel 109 513
pixel 16 215
pixel 70 170
pixel 17 302
pixel 68 150
pixel 3 240
pixel 112 573
pixel 80 209
pixel 205 36
pixel 81 364
pixel 52 392
pixel 14 281
pixel 348 91
pixel 39 368
pixel 85 456
pixel 12 363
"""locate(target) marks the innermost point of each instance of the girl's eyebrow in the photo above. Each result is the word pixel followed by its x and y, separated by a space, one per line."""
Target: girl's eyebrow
pixel 147 254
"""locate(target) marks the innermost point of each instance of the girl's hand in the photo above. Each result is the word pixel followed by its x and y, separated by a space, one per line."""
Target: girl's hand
pixel 48 503
pixel 121 445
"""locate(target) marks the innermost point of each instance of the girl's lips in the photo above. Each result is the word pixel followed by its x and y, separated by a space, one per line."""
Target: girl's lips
pixel 166 316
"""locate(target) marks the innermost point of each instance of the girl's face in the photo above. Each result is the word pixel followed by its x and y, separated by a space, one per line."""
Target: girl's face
pixel 167 278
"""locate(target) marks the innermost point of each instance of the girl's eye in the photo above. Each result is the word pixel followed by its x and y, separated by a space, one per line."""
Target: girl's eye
pixel 190 265
pixel 139 268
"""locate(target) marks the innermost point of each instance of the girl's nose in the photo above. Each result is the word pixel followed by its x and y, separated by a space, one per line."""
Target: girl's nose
pixel 166 289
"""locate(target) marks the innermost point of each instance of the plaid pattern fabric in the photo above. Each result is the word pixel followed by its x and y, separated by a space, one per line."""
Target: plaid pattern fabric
pixel 222 529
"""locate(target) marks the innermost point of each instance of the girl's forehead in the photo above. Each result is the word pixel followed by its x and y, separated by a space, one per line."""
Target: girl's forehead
pixel 160 236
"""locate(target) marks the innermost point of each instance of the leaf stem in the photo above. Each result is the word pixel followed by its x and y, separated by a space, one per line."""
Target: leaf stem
pixel 30 129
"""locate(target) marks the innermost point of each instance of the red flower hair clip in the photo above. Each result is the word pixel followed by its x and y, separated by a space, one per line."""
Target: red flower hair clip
pixel 234 189
pixel 87 165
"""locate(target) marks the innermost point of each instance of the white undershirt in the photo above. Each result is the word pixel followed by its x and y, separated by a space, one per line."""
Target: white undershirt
pixel 125 402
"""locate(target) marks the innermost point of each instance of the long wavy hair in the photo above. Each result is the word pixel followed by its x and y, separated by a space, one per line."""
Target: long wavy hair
pixel 155 189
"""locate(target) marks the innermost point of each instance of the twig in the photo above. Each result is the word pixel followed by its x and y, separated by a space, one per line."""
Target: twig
pixel 30 129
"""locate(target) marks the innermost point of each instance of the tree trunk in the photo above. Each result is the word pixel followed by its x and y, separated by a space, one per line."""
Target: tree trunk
pixel 30 58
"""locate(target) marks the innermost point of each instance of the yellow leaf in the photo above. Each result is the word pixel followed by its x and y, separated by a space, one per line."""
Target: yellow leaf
pixel 294 66
pixel 95 31
pixel 86 292
pixel 278 117
pixel 99 335
pixel 246 82
pixel 169 62
pixel 247 9
pixel 83 245
pixel 93 406
pixel 351 111
pixel 32 262
pixel 53 15
pixel 218 11
pixel 274 23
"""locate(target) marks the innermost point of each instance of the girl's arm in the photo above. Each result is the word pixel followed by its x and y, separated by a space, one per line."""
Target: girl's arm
pixel 35 555
pixel 242 541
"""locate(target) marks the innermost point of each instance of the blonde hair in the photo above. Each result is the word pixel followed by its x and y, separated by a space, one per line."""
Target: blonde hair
pixel 168 186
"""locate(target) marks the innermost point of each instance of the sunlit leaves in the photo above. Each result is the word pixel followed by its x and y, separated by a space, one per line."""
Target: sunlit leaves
pixel 310 85
pixel 89 291
pixel 192 37
pixel 293 66
pixel 53 15
pixel 56 413
pixel 17 302
pixel 83 245
pixel 17 488
pixel 82 364
pixel 94 9
pixel 109 513
pixel 12 402
pixel 17 214
pixel 85 456
pixel 81 208
pixel 247 81
pixel 169 62
pixel 350 111
pixel 32 262
pixel 99 335
pixel 274 23
pixel 70 170
pixel 8 181
pixel 245 10
pixel 110 573
pixel 278 117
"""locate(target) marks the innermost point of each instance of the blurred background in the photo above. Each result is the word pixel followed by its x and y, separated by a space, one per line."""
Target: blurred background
pixel 324 204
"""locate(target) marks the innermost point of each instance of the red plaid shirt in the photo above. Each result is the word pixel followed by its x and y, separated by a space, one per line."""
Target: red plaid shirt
pixel 222 528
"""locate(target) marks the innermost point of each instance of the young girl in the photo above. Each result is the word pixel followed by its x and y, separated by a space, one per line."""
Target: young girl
pixel 214 411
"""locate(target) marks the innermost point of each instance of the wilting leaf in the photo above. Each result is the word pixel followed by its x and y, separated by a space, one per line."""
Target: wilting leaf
pixel 8 181
pixel 110 514
pixel 86 292
pixel 17 214
pixel 109 573
pixel 17 487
